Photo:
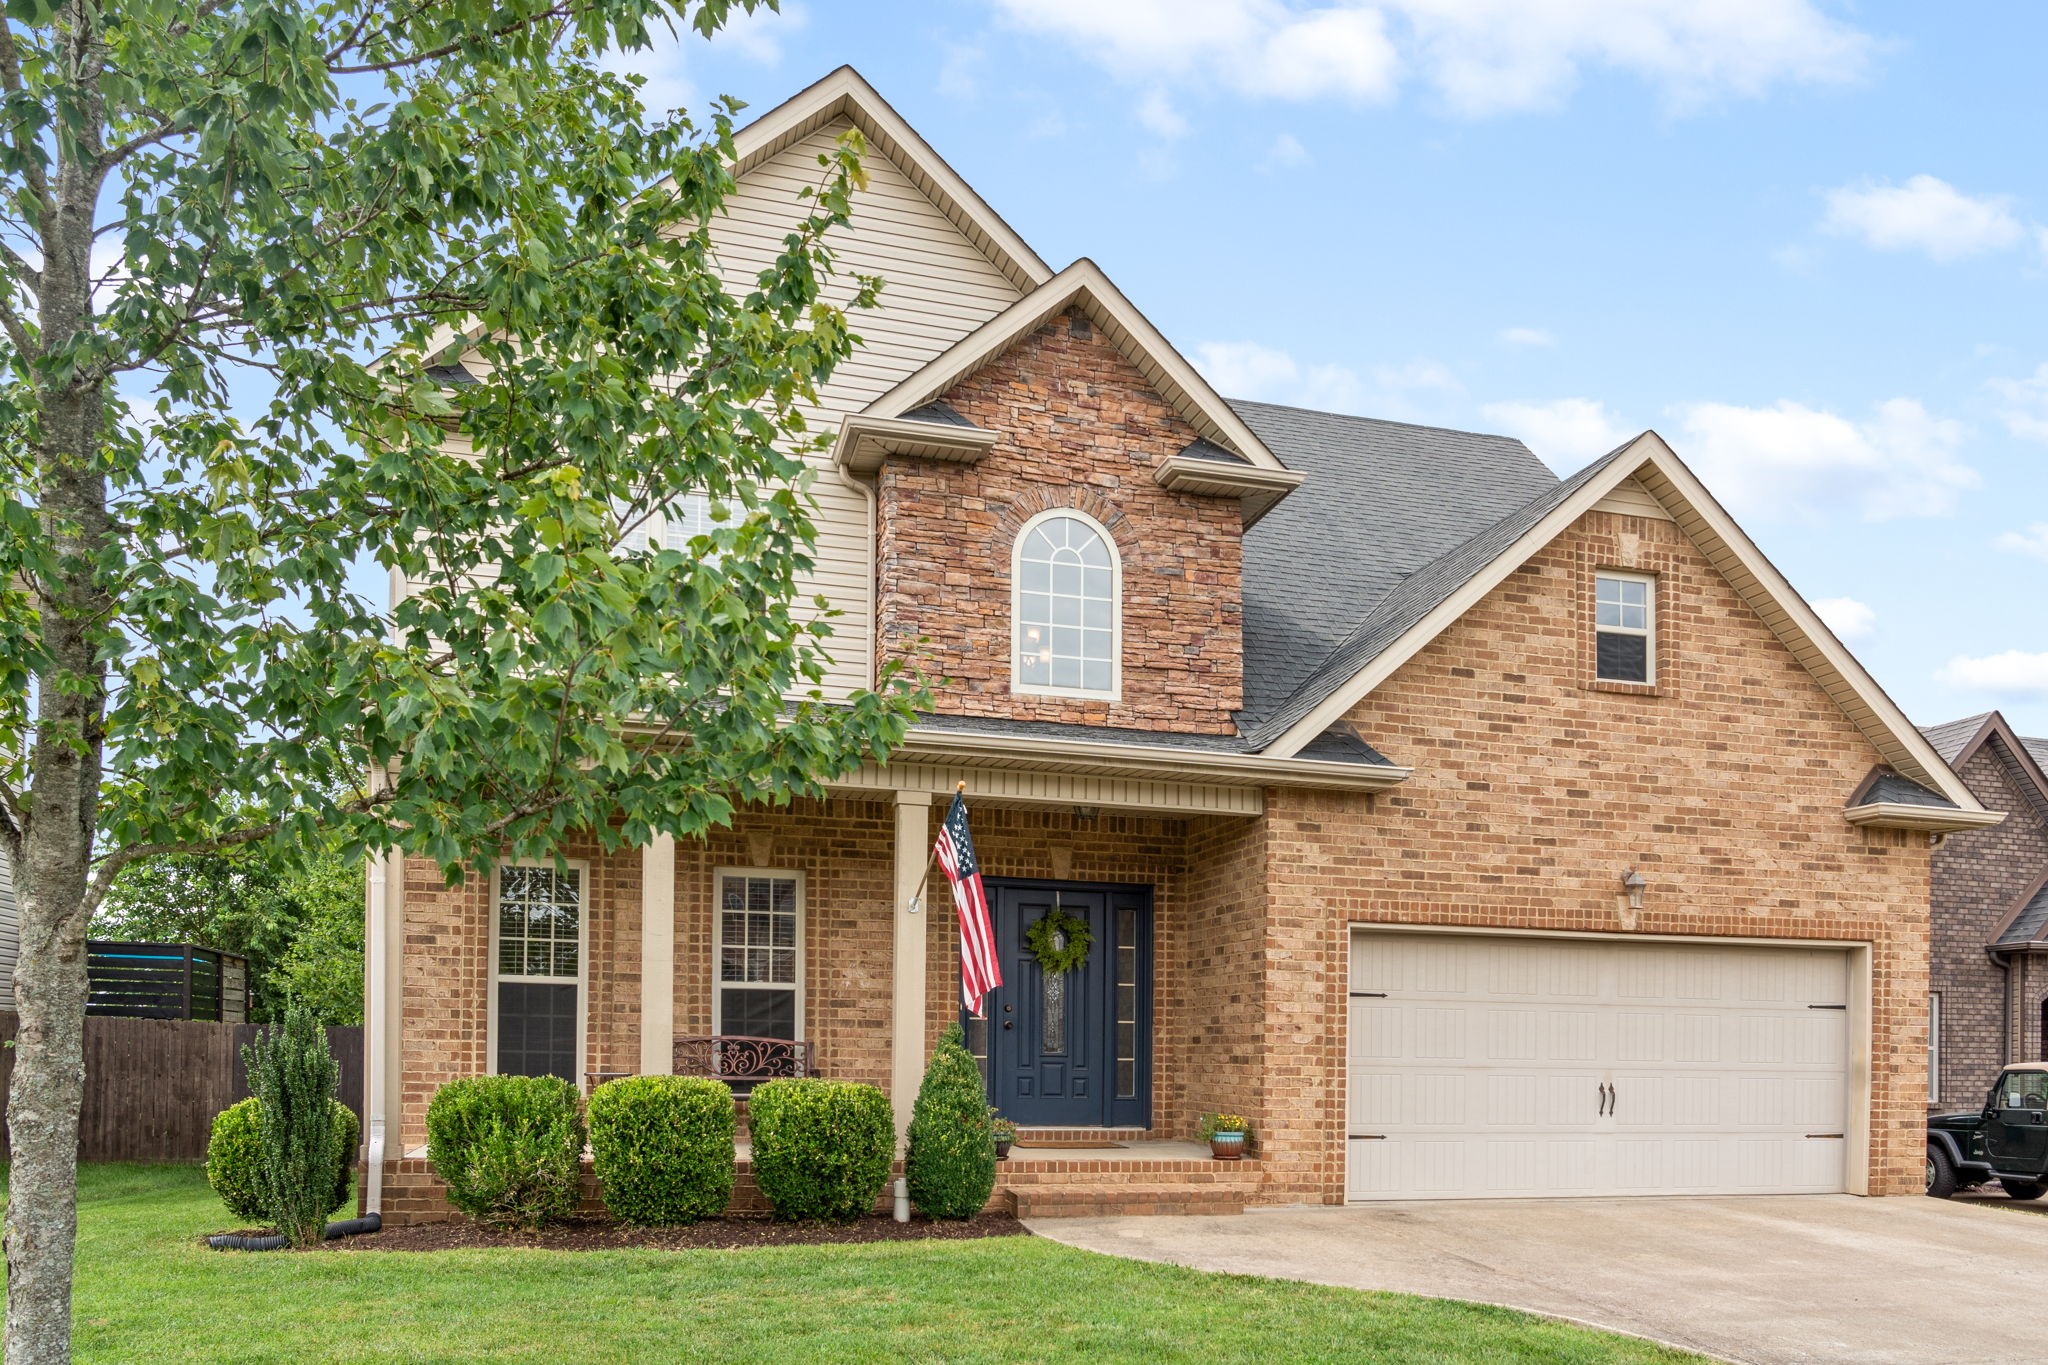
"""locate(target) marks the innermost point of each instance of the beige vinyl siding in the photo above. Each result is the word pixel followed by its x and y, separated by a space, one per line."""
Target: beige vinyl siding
pixel 1631 499
pixel 937 287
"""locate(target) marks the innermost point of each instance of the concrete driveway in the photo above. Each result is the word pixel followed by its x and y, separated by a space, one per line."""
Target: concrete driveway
pixel 1807 1278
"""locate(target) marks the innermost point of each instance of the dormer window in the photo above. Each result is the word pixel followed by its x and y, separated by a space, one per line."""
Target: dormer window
pixel 1068 605
pixel 1625 628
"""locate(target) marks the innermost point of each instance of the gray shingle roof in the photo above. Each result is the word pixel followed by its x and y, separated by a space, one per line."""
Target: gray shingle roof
pixel 1890 788
pixel 1339 744
pixel 1381 500
pixel 1202 449
pixel 456 376
pixel 936 411
pixel 1948 739
pixel 2039 749
pixel 2028 924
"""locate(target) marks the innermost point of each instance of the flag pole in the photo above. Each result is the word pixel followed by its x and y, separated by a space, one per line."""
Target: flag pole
pixel 917 900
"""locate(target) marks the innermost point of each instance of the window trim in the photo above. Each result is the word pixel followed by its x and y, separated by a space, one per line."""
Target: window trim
pixel 718 982
pixel 581 867
pixel 1018 686
pixel 1648 633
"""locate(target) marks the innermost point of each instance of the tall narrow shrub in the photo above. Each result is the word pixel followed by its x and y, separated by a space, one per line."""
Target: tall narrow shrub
pixel 293 1076
pixel 951 1161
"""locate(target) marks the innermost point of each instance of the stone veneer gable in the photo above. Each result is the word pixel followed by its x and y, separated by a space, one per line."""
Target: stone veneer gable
pixel 1080 427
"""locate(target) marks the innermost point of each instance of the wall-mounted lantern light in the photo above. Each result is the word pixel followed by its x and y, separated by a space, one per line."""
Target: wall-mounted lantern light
pixel 1633 883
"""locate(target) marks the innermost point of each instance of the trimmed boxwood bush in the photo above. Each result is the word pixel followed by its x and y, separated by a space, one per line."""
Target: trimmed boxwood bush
pixel 662 1146
pixel 508 1148
pixel 234 1154
pixel 951 1161
pixel 822 1149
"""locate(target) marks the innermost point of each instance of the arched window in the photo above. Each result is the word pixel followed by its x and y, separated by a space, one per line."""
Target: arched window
pixel 1068 606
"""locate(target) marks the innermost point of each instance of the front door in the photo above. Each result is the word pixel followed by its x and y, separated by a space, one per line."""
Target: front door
pixel 1072 1049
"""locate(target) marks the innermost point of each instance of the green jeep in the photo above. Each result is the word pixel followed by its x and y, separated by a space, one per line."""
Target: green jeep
pixel 2006 1141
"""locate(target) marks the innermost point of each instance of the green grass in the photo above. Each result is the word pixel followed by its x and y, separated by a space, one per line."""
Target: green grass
pixel 148 1288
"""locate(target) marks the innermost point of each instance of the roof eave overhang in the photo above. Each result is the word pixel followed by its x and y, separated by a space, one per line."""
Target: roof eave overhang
pixel 864 442
pixel 1141 761
pixel 1256 490
pixel 1931 819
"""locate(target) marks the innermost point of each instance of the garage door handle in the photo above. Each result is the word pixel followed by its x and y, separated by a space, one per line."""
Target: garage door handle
pixel 1602 1111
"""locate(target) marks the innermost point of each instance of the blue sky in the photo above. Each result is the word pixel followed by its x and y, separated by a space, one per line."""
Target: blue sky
pixel 1806 242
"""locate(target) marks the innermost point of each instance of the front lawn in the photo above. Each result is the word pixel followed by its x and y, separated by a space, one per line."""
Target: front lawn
pixel 149 1289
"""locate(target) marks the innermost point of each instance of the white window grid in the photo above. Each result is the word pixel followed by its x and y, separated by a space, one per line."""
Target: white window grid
pixel 1626 604
pixel 758 929
pixel 1068 608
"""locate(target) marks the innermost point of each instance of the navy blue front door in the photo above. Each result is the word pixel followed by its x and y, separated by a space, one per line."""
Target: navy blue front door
pixel 1075 1051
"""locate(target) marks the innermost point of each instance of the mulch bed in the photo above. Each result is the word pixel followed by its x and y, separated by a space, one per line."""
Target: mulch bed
pixel 716 1234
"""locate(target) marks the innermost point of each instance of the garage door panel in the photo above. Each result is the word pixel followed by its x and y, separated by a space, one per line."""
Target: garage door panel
pixel 1488 1079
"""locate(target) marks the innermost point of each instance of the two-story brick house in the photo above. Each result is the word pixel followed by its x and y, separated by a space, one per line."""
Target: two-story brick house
pixel 1472 831
pixel 1988 957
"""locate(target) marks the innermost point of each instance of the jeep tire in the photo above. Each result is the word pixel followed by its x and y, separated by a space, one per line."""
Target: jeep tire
pixel 2024 1189
pixel 1941 1173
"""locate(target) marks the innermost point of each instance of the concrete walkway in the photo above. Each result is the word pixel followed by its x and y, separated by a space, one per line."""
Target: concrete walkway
pixel 1809 1278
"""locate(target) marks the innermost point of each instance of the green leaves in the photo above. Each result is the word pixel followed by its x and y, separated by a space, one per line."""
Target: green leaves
pixel 418 293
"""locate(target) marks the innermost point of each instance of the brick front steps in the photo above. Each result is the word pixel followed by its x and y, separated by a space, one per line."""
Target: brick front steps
pixel 1047 1183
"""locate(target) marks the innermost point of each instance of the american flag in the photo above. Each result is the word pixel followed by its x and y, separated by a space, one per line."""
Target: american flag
pixel 979 971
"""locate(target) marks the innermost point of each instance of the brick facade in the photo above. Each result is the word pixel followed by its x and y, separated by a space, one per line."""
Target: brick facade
pixel 1978 875
pixel 1534 790
pixel 1079 428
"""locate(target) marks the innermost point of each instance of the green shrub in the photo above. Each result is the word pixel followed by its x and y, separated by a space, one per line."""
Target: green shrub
pixel 293 1076
pixel 822 1149
pixel 951 1161
pixel 234 1155
pixel 662 1146
pixel 508 1148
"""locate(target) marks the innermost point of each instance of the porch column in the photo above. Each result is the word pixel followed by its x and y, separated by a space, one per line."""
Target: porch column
pixel 658 955
pixel 907 1009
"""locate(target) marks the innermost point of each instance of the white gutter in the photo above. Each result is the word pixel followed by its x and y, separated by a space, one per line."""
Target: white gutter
pixel 1934 819
pixel 1157 761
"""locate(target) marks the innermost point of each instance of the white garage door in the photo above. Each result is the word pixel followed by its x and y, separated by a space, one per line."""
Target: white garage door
pixel 1512 1067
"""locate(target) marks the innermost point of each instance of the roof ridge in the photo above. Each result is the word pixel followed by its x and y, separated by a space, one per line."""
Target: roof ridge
pixel 1382 421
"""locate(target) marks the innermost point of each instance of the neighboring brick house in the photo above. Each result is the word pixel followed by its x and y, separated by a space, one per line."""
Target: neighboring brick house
pixel 1988 964
pixel 1471 831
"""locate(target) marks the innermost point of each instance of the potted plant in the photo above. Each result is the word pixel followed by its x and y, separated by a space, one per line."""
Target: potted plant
pixel 1226 1135
pixel 1005 1132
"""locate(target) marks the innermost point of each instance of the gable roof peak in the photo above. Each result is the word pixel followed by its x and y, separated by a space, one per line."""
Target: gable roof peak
pixel 845 93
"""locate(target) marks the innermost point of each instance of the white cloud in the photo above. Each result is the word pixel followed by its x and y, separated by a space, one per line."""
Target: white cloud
pixel 1285 151
pixel 959 73
pixel 1924 214
pixel 664 62
pixel 1246 369
pixel 1501 56
pixel 2015 673
pixel 1157 113
pixel 1798 463
pixel 1527 336
pixel 2026 414
pixel 1256 47
pixel 1481 56
pixel 2032 541
pixel 1565 433
pixel 1846 617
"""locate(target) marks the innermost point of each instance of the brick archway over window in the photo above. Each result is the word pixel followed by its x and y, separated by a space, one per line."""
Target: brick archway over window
pixel 1012 518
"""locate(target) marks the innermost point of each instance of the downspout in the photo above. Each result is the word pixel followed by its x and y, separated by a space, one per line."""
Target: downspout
pixel 373 1036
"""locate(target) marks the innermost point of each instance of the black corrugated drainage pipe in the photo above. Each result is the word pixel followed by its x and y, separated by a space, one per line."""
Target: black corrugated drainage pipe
pixel 347 1227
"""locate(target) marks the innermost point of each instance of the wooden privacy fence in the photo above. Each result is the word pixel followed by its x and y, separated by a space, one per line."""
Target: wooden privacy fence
pixel 152 1086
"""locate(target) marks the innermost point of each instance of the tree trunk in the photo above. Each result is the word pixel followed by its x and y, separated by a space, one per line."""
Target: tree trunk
pixel 53 879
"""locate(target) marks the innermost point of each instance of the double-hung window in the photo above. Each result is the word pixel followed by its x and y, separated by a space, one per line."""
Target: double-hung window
pixel 1625 628
pixel 537 956
pixel 759 986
